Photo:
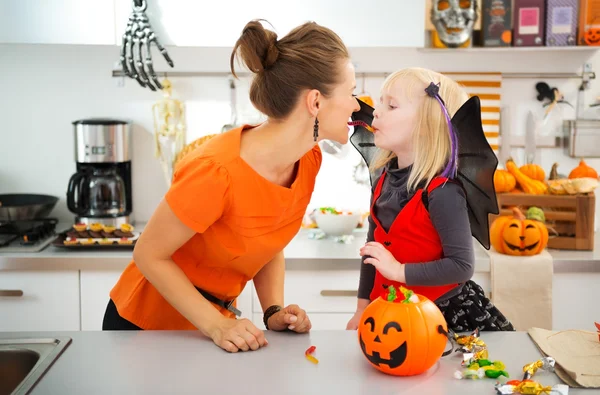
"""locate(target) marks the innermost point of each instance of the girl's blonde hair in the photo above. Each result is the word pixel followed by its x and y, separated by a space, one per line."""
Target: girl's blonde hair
pixel 430 138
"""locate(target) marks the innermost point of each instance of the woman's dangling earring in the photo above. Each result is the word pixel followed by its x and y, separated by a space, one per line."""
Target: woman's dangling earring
pixel 316 129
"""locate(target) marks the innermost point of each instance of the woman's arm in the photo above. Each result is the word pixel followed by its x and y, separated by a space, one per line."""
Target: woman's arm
pixel 269 282
pixel 448 213
pixel 152 255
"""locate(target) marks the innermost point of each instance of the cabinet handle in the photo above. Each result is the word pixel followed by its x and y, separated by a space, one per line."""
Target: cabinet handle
pixel 335 292
pixel 11 292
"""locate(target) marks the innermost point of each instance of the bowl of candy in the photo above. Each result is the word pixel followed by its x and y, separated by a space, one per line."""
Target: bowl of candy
pixel 336 222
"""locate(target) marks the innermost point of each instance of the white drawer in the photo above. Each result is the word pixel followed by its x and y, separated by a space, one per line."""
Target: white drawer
pixel 319 321
pixel 39 301
pixel 316 291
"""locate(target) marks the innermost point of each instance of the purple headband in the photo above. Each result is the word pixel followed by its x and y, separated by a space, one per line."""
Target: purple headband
pixel 450 169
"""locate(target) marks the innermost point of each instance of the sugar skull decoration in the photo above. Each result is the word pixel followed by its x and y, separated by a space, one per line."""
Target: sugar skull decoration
pixel 454 20
pixel 402 336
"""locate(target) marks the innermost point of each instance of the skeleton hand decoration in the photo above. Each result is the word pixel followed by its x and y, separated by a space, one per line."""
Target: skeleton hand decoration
pixel 138 34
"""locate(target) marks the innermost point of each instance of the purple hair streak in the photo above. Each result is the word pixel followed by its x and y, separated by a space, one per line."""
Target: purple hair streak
pixel 451 167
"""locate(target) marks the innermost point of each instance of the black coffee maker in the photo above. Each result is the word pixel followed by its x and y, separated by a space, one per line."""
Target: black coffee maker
pixel 100 191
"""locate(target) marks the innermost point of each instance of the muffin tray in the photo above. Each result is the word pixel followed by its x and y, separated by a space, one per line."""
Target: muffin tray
pixel 83 237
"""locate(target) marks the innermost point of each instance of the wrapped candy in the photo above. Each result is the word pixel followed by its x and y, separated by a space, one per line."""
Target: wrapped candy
pixel 469 374
pixel 546 364
pixel 490 369
pixel 529 387
pixel 598 327
pixel 471 344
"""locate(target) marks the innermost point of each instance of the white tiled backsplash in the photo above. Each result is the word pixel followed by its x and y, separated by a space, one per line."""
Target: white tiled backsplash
pixel 45 88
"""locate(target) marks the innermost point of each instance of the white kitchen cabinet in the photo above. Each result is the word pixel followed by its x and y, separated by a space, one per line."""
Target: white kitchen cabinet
pixel 319 321
pixel 575 299
pixel 319 291
pixel 39 301
pixel 95 290
pixel 58 21
pixel 328 296
pixel 385 23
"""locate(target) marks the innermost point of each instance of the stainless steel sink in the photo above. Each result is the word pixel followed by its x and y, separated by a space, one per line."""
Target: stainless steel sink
pixel 23 362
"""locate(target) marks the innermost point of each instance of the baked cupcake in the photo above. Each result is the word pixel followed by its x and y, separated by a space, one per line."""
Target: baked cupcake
pixel 125 240
pixel 105 241
pixel 69 241
pixel 80 227
pixel 96 227
pixel 108 229
pixel 87 241
pixel 127 228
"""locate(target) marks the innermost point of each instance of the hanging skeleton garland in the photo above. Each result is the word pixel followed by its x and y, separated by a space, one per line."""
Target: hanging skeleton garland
pixel 454 20
pixel 169 130
pixel 136 54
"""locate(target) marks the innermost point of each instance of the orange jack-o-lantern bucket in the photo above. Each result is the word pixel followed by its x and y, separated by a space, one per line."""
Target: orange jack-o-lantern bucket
pixel 402 337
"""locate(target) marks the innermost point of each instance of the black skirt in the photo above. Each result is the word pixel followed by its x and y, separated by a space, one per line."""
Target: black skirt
pixel 471 309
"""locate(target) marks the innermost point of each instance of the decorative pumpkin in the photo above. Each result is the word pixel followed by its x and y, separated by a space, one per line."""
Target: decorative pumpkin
pixel 527 184
pixel 533 171
pixel 402 337
pixel 592 37
pixel 583 171
pixel 518 235
pixel 504 181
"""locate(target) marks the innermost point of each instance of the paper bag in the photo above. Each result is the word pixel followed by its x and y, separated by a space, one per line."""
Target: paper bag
pixel 576 352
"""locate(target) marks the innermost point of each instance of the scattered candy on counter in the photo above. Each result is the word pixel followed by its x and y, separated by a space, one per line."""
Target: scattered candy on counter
pixel 308 355
pixel 530 387
pixel 546 364
pixel 318 234
pixel 492 370
pixel 469 374
pixel 471 344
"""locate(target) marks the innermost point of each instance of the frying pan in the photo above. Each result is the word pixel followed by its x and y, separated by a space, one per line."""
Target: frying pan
pixel 25 206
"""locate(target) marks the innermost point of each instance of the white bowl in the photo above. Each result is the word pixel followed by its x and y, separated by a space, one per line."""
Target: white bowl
pixel 337 224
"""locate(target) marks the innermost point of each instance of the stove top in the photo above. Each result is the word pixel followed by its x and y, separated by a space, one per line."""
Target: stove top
pixel 27 236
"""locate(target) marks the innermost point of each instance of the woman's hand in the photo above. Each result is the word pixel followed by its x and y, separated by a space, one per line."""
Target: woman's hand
pixel 237 335
pixel 291 317
pixel 384 261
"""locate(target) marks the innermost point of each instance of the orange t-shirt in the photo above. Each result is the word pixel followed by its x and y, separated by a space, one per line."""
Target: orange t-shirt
pixel 241 221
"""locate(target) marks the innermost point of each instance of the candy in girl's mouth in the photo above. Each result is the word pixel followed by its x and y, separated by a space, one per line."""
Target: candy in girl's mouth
pixel 361 123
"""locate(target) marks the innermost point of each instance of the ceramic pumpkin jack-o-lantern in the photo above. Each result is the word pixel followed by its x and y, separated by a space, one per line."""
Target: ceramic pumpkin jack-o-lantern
pixel 517 235
pixel 402 339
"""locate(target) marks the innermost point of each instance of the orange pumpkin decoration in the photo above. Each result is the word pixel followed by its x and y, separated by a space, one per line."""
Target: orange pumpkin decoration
pixel 517 235
pixel 504 181
pixel 533 171
pixel 583 171
pixel 402 337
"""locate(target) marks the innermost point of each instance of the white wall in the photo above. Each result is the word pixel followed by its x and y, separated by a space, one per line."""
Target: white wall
pixel 45 87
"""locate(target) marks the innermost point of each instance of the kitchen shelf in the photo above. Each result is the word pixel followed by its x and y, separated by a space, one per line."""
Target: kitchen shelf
pixel 579 48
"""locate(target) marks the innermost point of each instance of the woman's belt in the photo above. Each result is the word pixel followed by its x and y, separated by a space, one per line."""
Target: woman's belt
pixel 226 304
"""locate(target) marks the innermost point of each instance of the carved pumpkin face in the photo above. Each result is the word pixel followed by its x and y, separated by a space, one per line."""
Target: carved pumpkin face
pixel 592 37
pixel 402 339
pixel 515 235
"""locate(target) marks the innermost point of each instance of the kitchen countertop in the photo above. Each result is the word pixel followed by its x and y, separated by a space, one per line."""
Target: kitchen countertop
pixel 164 362
pixel 303 252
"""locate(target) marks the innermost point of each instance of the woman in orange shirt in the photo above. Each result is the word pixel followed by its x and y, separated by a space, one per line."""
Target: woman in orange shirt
pixel 239 199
